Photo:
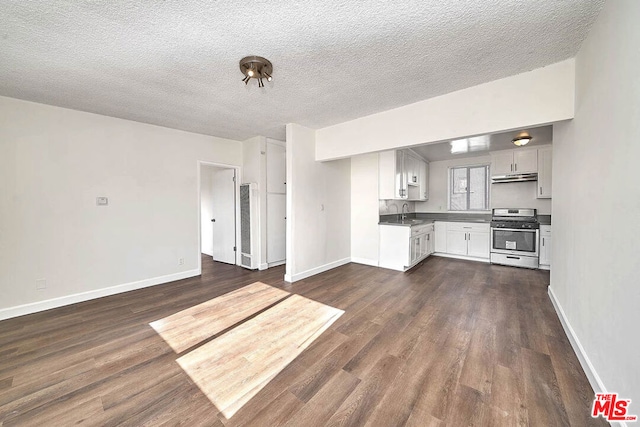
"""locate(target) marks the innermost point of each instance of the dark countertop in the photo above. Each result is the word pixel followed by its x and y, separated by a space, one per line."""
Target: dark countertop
pixel 405 223
pixel 416 218
pixel 424 218
pixel 544 219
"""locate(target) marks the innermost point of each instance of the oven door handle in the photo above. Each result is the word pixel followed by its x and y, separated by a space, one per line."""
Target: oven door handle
pixel 531 230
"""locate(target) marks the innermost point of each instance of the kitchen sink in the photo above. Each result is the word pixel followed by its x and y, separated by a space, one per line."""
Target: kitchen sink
pixel 406 222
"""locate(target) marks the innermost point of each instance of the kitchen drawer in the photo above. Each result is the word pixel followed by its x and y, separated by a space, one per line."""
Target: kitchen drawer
pixel 468 226
pixel 421 229
pixel 545 230
pixel 523 261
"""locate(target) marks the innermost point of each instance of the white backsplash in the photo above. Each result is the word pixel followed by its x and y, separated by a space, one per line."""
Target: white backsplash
pixel 395 206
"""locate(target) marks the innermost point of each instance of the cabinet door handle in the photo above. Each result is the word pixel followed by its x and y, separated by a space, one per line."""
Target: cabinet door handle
pixel 469 236
pixel 511 167
pixel 516 167
pixel 543 241
pixel 541 190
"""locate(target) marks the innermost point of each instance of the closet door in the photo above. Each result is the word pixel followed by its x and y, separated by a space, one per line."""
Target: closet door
pixel 276 227
pixel 276 169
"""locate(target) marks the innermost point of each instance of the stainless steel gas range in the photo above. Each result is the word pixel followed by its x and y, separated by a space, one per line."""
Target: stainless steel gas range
pixel 515 237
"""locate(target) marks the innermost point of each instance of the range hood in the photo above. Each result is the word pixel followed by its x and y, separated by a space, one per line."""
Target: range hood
pixel 516 177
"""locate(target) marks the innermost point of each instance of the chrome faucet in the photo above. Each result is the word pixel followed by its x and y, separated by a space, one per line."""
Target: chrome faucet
pixel 404 214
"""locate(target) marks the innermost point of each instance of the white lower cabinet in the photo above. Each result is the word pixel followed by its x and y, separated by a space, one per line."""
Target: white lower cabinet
pixel 440 236
pixel 478 244
pixel 545 247
pixel 403 247
pixel 456 242
pixel 463 239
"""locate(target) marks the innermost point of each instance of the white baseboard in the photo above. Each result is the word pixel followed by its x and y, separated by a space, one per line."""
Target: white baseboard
pixel 587 366
pixel 592 376
pixel 277 263
pixel 263 266
pixel 317 270
pixel 365 261
pixel 34 307
pixel 464 257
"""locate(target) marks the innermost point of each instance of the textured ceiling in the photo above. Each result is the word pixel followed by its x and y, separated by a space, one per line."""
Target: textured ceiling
pixel 175 62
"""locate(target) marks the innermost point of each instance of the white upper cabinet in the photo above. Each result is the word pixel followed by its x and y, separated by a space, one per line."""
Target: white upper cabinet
pixel 501 162
pixel 412 168
pixel 276 168
pixel 392 182
pixel 520 160
pixel 401 175
pixel 424 180
pixel 544 173
pixel 525 160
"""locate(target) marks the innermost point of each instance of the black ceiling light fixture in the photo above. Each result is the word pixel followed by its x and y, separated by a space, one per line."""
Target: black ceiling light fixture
pixel 256 67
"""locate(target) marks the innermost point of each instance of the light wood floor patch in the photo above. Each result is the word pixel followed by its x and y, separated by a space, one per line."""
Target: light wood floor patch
pixel 234 367
pixel 190 327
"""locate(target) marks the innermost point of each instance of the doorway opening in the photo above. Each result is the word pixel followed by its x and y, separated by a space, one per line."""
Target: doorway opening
pixel 218 213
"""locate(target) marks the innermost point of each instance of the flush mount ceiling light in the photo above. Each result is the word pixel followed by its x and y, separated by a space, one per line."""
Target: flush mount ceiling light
pixel 256 67
pixel 522 139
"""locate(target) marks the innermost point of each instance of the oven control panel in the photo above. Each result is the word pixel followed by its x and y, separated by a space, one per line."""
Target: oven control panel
pixel 515 225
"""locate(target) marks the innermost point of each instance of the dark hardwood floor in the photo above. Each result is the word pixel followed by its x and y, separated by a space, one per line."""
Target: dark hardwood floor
pixel 449 343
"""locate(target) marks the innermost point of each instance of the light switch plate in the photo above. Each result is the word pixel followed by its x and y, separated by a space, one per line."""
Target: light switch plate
pixel 102 201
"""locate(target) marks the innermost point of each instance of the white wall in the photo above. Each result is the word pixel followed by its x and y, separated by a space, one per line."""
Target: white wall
pixel 206 209
pixel 54 162
pixel 596 202
pixel 516 194
pixel 318 208
pixel 483 109
pixel 519 195
pixel 386 207
pixel 364 209
pixel 255 170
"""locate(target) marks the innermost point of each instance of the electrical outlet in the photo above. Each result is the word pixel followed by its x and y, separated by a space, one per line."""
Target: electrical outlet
pixel 41 284
pixel 181 261
pixel 102 201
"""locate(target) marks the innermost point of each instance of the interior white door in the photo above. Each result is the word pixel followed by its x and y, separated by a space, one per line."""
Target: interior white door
pixel 224 213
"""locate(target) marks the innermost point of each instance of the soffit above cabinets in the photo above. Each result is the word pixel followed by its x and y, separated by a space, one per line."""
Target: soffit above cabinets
pixel 175 63
pixel 482 145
